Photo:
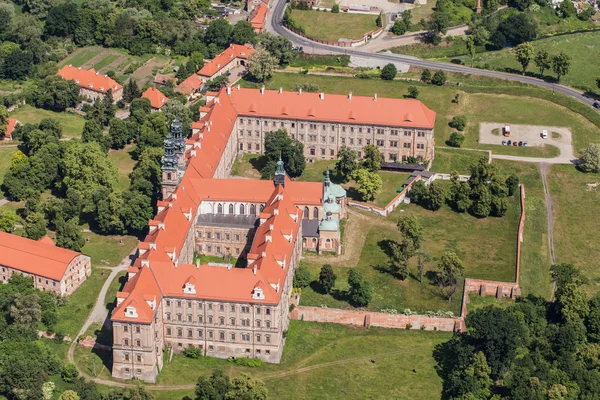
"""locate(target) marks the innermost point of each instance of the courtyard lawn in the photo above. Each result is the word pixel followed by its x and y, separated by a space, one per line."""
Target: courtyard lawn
pixel 576 220
pixel 447 161
pixel 584 49
pixel 124 164
pixel 331 26
pixel 477 302
pixel 107 251
pixel 71 123
pixel 392 182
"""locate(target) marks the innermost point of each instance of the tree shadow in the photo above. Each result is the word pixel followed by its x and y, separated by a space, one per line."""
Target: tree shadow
pixel 341 295
pixel 258 163
pixel 353 194
pixel 317 287
pixel 388 246
pixel 110 306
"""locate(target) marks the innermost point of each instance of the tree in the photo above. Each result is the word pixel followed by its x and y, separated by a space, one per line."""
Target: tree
pixel 120 133
pixel 68 235
pixel 512 184
pixel 17 65
pixel 572 302
pixel 69 395
pixel 219 387
pixel 426 75
pixel 437 195
pixel 327 278
pixel 471 48
pixel 56 94
pixel 567 9
pixel 218 33
pixel 456 139
pixel 131 91
pixel 407 18
pixel 419 194
pixel 379 21
pixel 450 270
pixel 302 277
pixel 92 132
pixel 280 144
pixel 26 310
pixel 399 27
pixel 137 211
pixel 561 64
pixel 35 226
pixel 518 28
pixel 347 162
pixel 413 92
pixel 439 78
pixel 109 209
pixel 360 291
pixel 244 387
pixel 590 158
pixel 175 110
pixel 69 373
pixel 369 183
pixel 217 83
pixel 524 53
pixel 458 122
pixel 412 239
pixel 243 33
pixel 389 72
pixel 335 8
pixel 261 64
pixel 278 46
pixel 372 159
pixel 62 20
pixel 543 61
pixel 3 121
pixel 109 107
pixel 8 220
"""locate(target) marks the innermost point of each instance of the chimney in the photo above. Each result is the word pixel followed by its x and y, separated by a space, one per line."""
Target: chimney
pixel 198 264
pixel 350 96
pixel 280 90
pixel 228 90
pixel 106 76
pixel 254 270
pixel 322 96
pixel 300 91
pixel 375 97
pixel 262 90
pixel 176 263
pixel 238 88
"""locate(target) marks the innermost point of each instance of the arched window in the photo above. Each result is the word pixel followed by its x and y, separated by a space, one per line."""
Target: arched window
pixel 231 209
pixel 305 212
pixel 253 209
pixel 316 213
pixel 314 240
pixel 242 209
pixel 220 209
pixel 169 176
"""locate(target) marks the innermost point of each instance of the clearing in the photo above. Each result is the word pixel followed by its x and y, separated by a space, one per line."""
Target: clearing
pixel 71 123
pixel 334 27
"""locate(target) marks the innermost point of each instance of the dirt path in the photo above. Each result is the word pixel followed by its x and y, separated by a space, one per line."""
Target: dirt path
pixel 549 216
pixel 355 234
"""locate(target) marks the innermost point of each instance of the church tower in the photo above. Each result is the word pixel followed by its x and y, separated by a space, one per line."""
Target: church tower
pixel 280 173
pixel 173 162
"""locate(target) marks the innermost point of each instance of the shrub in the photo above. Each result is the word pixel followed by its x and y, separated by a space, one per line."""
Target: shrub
pixel 456 139
pixel 335 9
pixel 399 27
pixel 302 277
pixel 389 72
pixel 248 362
pixel 193 352
pixel 408 327
pixel 69 373
pixel 439 78
pixel 426 75
pixel 458 122
pixel 413 92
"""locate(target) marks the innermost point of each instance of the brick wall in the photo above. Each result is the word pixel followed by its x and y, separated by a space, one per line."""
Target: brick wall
pixel 368 319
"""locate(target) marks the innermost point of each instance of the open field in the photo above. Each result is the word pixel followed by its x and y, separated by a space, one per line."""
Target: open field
pixel 584 49
pixel 506 108
pixel 72 124
pixel 353 376
pixel 107 251
pixel 330 26
pixel 576 220
pixel 455 160
pixel 124 164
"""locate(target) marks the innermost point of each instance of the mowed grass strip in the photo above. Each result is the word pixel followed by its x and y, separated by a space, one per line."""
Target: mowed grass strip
pixel 72 124
pixel 124 164
pixel 106 61
pixel 576 220
pixel 81 57
pixel 334 26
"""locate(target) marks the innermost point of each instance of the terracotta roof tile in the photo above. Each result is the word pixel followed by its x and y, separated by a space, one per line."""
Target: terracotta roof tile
pixel 89 79
pixel 157 99
pixel 220 61
pixel 10 127
pixel 190 85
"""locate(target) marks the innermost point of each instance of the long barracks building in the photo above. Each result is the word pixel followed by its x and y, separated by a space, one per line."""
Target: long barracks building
pixel 171 301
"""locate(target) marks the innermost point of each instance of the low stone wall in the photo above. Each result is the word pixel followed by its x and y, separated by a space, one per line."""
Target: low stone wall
pixel 367 319
pixel 350 43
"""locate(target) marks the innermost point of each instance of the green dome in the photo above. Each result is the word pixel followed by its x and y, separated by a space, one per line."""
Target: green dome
pixel 332 224
pixel 335 191
pixel 331 207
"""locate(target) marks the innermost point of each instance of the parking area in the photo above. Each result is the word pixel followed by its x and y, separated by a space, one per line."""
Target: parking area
pixel 491 133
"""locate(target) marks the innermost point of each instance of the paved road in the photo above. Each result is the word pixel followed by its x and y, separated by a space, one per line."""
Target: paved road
pixel 274 25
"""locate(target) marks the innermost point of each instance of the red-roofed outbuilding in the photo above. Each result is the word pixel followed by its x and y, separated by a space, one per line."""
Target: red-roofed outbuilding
pixel 157 99
pixel 93 84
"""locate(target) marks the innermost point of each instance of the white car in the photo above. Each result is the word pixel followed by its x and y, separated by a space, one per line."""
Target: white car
pixel 544 134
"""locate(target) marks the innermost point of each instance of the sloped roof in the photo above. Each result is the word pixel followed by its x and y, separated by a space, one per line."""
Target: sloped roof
pixel 258 17
pixel 89 79
pixel 157 99
pixel 136 292
pixel 10 127
pixel 228 55
pixel 40 257
pixel 190 85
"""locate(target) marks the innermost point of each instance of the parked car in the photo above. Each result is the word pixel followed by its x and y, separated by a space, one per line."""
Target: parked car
pixel 525 144
pixel 520 144
pixel 544 134
pixel 515 143
pixel 509 142
pixel 597 105
pixel 504 143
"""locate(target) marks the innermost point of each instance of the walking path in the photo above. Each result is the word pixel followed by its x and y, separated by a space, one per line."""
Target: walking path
pixel 540 160
pixel 549 216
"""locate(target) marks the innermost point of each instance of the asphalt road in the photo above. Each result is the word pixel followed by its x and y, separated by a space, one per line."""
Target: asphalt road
pixel 275 26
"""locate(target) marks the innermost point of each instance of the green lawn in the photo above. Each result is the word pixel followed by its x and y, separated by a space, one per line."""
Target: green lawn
pixel 72 124
pixel 124 164
pixel 5 158
pixel 576 220
pixel 106 61
pixel 584 49
pixel 477 302
pixel 107 251
pixel 448 160
pixel 77 60
pixel 330 26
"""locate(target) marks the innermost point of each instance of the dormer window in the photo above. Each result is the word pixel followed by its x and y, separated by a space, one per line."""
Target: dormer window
pixel 258 294
pixel 131 312
pixel 189 288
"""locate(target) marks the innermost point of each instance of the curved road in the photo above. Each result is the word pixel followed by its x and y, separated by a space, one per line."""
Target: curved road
pixel 274 25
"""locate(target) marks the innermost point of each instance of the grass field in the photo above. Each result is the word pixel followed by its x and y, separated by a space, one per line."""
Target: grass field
pixel 476 106
pixel 584 49
pixel 106 61
pixel 477 302
pixel 455 160
pixel 124 164
pixel 396 353
pixel 5 157
pixel 107 251
pixel 576 220
pixel 72 124
pixel 330 26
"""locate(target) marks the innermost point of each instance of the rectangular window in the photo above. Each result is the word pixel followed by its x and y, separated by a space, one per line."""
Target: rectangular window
pixel 257 146
pixel 394 132
pixel 331 152
pixel 125 328
pixel 137 329
pixel 380 131
pixel 210 334
pixel 208 235
pixel 322 152
pixel 407 133
pixel 312 152
pixel 218 236
pixel 199 333
pixel 126 357
pixel 380 143
pixel 393 143
pixel 222 336
pixel 406 145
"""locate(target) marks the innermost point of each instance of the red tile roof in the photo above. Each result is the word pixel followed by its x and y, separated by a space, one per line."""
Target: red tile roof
pixel 332 107
pixel 258 17
pixel 40 258
pixel 190 85
pixel 10 127
pixel 157 99
pixel 138 292
pixel 219 62
pixel 89 79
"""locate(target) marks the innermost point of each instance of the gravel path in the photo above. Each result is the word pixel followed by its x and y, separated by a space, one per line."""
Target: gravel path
pixel 549 216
